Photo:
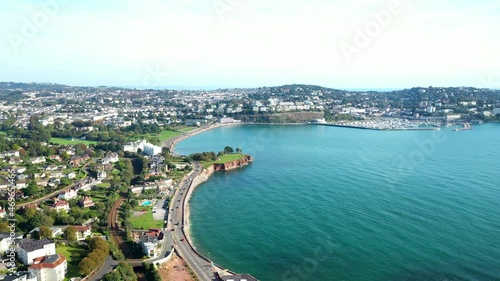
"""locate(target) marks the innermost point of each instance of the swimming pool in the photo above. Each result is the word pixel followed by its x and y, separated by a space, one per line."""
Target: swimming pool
pixel 147 203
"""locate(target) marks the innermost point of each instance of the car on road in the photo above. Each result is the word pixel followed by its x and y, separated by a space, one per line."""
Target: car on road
pixel 182 239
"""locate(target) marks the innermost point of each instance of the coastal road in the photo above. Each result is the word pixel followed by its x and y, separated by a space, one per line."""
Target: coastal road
pixel 201 267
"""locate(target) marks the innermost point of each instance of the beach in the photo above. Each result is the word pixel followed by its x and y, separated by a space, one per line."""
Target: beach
pixel 173 141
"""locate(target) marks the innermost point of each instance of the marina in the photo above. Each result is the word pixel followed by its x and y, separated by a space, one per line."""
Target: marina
pixel 386 125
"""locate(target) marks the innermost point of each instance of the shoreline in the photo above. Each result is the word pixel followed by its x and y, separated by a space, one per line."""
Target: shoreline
pixel 171 143
pixel 205 174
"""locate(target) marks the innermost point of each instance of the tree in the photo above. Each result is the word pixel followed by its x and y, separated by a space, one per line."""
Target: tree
pixel 87 265
pixel 32 189
pixel 65 182
pixel 239 150
pixel 47 221
pixel 4 227
pixel 30 212
pixel 45 232
pixel 97 243
pixel 228 150
pixel 70 234
pixel 35 235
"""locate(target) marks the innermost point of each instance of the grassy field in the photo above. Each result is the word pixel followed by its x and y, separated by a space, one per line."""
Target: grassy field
pixel 163 136
pixel 70 142
pixel 3 133
pixel 166 135
pixel 224 159
pixel 145 221
pixel 187 129
pixel 73 256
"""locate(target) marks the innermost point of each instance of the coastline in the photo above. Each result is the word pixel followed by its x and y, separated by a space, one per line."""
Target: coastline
pixel 171 143
pixel 203 177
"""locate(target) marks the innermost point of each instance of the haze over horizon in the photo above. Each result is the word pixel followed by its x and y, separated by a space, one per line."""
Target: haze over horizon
pixel 371 44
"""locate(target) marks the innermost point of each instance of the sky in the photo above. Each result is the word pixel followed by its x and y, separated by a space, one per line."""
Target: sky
pixel 360 44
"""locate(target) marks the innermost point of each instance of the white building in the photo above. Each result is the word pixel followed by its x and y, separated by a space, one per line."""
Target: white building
pixel 28 250
pixel 147 148
pixel 61 205
pixel 82 231
pixel 52 268
pixel 20 276
pixel 68 195
pixel 151 149
pixel 6 241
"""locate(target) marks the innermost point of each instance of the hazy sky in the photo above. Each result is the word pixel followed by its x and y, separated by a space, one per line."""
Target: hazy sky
pixel 240 43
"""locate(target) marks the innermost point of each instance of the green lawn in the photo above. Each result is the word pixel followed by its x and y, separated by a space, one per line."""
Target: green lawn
pixel 187 129
pixel 70 142
pixel 3 133
pixel 73 256
pixel 145 221
pixel 224 159
pixel 166 135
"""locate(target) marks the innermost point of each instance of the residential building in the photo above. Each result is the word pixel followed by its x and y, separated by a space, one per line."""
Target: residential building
pixel 52 268
pixel 151 241
pixel 56 231
pixel 38 160
pixel 82 231
pixel 86 202
pixel 28 250
pixel 68 195
pixel 21 276
pixel 6 241
pixel 151 149
pixel 61 205
pixel 101 175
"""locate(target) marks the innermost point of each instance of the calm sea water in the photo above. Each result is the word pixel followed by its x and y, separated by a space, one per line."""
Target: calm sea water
pixel 325 203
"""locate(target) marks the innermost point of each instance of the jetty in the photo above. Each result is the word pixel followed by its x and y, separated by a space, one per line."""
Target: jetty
pixel 466 126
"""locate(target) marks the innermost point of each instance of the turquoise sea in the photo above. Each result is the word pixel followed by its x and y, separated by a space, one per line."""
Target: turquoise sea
pixel 326 203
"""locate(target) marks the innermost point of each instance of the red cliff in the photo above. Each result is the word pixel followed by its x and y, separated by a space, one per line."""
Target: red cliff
pixel 233 164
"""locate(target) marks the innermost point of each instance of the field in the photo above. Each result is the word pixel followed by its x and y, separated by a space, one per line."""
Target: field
pixel 166 135
pixel 73 256
pixel 224 159
pixel 145 221
pixel 70 142
pixel 3 133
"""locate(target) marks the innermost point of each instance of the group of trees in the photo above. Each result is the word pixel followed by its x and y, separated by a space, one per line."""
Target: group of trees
pixel 211 156
pixel 99 251
pixel 204 156
pixel 123 272
pixel 152 273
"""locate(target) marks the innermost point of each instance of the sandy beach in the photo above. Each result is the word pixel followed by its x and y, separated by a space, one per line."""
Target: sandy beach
pixel 173 141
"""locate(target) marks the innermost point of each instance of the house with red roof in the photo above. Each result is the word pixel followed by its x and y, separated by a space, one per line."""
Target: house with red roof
pixel 50 268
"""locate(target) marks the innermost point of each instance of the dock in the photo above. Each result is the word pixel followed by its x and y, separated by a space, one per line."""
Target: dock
pixel 466 126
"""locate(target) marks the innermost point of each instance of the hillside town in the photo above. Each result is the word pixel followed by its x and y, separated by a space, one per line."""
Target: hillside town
pixel 67 154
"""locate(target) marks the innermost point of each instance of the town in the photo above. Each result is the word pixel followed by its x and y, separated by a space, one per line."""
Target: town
pixel 69 154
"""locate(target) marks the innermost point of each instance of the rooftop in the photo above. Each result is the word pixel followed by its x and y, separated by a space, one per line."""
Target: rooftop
pixel 51 261
pixel 30 245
